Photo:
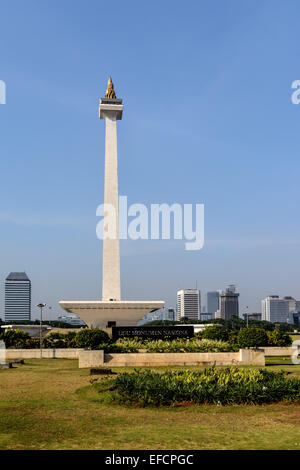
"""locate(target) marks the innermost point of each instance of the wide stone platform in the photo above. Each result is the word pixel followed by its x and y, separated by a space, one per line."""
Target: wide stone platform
pixel 98 313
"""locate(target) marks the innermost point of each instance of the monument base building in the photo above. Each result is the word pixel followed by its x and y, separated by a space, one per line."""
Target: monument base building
pixel 100 314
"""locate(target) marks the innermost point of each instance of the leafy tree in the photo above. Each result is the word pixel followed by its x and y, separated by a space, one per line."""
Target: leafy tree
pixel 283 327
pixel 215 332
pixel 14 338
pixel 185 320
pixel 266 325
pixel 235 323
pixel 91 338
pixel 233 336
pixel 60 340
pixel 252 338
pixel 279 338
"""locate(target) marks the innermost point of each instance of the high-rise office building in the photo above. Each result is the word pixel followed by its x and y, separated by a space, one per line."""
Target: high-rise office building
pixel 189 304
pixel 229 303
pixel 212 301
pixel 17 297
pixel 217 314
pixel 294 309
pixel 276 309
pixel 295 318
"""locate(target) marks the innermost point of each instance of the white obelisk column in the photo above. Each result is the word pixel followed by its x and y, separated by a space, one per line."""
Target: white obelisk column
pixel 111 111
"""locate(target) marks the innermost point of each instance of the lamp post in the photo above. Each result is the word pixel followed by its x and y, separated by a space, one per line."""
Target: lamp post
pixel 247 313
pixel 41 306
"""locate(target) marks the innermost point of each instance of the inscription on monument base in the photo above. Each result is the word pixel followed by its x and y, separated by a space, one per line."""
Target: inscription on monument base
pixel 152 332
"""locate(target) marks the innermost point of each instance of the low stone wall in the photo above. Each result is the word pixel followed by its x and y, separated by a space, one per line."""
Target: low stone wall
pixel 279 351
pixel 55 353
pixel 88 358
pixel 172 359
pixel 243 357
pixel 252 357
pixel 91 359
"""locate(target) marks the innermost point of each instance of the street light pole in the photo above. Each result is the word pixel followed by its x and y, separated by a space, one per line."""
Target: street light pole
pixel 41 306
pixel 247 317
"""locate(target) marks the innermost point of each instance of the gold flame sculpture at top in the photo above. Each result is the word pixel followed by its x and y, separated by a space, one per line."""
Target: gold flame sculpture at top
pixel 110 92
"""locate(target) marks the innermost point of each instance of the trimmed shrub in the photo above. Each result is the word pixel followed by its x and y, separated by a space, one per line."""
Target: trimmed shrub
pixel 252 338
pixel 223 386
pixel 218 333
pixel 91 338
pixel 279 338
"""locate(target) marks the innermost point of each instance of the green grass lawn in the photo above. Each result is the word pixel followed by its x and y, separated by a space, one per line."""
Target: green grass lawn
pixel 50 404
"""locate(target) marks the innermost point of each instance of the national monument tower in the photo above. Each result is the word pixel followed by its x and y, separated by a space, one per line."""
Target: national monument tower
pixel 100 313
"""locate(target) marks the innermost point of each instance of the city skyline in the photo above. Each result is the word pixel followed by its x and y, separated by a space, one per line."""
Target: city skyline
pixel 52 312
pixel 238 146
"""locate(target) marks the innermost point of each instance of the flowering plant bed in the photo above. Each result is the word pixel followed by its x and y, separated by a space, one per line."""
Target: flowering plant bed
pixel 224 386
pixel 163 346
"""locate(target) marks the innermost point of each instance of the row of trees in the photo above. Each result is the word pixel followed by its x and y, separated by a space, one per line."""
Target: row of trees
pixel 85 338
pixel 247 337
pixel 95 338
pixel 233 323
pixel 54 323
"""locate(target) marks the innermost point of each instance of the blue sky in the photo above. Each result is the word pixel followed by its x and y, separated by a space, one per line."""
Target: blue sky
pixel 208 118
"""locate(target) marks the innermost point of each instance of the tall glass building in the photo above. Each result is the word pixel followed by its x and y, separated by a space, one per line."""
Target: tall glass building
pixel 212 302
pixel 17 297
pixel 275 308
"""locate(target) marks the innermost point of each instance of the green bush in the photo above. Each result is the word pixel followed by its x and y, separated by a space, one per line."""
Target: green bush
pixel 233 337
pixel 15 338
pixel 91 338
pixel 223 386
pixel 60 340
pixel 252 338
pixel 279 338
pixel 218 333
pixel 31 343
